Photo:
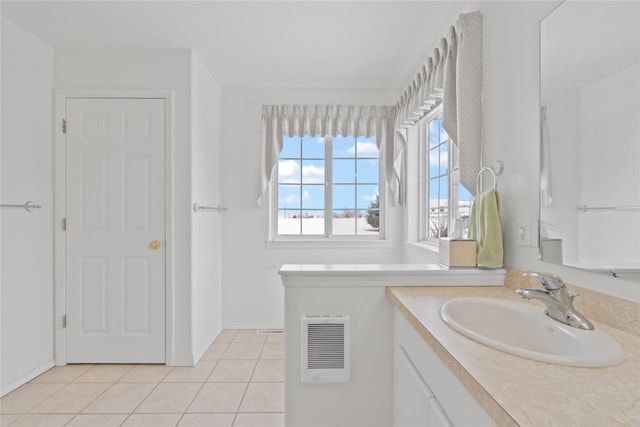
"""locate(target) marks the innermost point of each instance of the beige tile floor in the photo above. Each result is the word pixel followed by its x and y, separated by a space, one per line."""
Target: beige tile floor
pixel 239 382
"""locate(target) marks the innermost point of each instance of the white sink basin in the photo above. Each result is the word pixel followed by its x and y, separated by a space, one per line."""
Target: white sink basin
pixel 524 330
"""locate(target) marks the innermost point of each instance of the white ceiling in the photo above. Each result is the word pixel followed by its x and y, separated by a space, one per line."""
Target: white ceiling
pixel 337 44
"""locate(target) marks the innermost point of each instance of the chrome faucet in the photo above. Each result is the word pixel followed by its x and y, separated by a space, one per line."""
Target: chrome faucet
pixel 556 298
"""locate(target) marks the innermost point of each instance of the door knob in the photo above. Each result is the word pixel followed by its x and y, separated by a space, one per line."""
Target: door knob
pixel 154 245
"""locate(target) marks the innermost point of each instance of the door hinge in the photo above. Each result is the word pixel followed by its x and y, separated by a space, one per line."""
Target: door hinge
pixel 64 125
pixel 64 321
pixel 64 224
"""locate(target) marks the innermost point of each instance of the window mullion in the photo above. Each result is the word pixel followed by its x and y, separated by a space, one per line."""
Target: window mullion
pixel 453 190
pixel 423 185
pixel 355 185
pixel 328 188
pixel 301 181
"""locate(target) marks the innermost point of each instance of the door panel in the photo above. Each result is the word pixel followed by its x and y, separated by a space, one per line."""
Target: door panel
pixel 115 178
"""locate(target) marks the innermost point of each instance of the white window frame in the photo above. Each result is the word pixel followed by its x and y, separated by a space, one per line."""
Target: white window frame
pixel 328 237
pixel 423 185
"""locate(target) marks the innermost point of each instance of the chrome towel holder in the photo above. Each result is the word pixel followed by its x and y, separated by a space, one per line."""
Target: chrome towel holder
pixel 495 171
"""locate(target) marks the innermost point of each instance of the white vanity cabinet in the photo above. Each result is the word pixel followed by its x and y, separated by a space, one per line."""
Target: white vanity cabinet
pixel 425 391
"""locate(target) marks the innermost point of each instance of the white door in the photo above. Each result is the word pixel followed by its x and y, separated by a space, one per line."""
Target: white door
pixel 115 238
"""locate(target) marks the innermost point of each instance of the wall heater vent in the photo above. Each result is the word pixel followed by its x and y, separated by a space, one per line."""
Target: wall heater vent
pixel 326 348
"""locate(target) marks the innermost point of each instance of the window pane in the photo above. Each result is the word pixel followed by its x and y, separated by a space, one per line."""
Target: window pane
pixel 366 147
pixel 344 171
pixel 344 146
pixel 465 200
pixel 290 147
pixel 289 171
pixel 443 134
pixel 444 159
pixel 433 223
pixel 443 223
pixel 434 134
pixel 444 190
pixel 312 197
pixel 312 222
pixel 313 171
pixel 344 222
pixel 344 197
pixel 368 222
pixel 355 175
pixel 434 193
pixel 368 171
pixel 434 163
pixel 463 193
pixel 289 222
pixel 288 197
pixel 313 147
pixel 366 195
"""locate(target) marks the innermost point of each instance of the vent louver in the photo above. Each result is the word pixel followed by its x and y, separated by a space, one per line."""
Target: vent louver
pixel 325 346
pixel 326 349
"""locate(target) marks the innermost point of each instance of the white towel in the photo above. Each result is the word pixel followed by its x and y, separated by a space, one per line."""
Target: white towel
pixel 545 158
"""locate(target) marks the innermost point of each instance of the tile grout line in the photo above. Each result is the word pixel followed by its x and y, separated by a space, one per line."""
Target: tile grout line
pixel 248 383
pixel 80 412
pixel 186 410
pixel 118 380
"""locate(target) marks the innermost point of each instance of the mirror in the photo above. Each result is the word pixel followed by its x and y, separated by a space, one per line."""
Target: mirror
pixel 590 137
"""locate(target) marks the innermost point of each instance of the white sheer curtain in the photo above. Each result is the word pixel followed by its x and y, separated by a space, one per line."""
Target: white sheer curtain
pixel 323 120
pixel 453 77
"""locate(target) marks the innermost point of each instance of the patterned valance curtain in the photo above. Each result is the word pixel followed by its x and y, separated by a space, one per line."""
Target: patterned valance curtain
pixel 453 77
pixel 322 120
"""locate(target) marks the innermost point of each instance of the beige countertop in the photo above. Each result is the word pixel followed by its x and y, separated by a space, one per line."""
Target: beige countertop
pixel 518 391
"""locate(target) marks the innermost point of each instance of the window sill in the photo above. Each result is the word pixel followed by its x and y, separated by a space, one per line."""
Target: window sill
pixel 422 248
pixel 328 244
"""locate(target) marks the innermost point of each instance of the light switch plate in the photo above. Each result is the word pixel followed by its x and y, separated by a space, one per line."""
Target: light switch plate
pixel 528 232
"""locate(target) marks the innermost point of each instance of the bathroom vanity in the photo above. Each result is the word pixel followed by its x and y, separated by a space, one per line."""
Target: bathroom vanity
pixel 425 392
pixel 513 390
pixel 409 368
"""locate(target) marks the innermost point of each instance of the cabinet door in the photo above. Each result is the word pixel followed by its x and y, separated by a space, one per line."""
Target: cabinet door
pixel 437 417
pixel 411 394
pixel 454 404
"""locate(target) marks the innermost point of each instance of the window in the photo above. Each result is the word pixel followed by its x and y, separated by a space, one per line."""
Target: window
pixel 328 187
pixel 445 201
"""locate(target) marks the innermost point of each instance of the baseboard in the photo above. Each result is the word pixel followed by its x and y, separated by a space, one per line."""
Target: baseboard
pixel 200 352
pixel 23 379
pixel 184 361
pixel 251 325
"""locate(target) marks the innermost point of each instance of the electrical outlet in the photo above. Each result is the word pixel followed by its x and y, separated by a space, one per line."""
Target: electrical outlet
pixel 528 232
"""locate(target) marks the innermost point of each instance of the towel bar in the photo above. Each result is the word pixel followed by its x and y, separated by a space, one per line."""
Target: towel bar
pixel 199 208
pixel 27 206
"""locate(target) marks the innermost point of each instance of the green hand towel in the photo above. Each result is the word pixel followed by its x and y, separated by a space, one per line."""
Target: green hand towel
pixel 486 229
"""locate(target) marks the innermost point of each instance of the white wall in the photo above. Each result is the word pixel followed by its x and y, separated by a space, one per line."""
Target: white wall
pixel 252 290
pixel 151 69
pixel 26 258
pixel 206 232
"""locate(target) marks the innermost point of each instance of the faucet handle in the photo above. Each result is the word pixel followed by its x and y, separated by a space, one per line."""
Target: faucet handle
pixel 549 281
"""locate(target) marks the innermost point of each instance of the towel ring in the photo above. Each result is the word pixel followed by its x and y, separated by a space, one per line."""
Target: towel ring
pixel 493 173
